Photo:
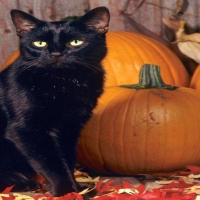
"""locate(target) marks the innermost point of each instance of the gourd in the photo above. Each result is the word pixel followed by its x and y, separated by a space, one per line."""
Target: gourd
pixel 144 128
pixel 195 80
pixel 127 52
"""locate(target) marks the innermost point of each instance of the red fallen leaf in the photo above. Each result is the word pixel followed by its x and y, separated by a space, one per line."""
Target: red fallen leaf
pixel 44 196
pixel 103 187
pixel 140 188
pixel 193 169
pixel 179 184
pixel 8 198
pixel 178 196
pixel 126 184
pixel 71 196
pixel 7 190
pixel 116 196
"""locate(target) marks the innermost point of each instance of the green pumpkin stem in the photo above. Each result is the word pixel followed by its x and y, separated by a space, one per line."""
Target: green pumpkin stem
pixel 150 77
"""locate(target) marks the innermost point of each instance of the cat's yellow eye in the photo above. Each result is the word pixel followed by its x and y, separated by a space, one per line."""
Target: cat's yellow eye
pixel 40 44
pixel 76 42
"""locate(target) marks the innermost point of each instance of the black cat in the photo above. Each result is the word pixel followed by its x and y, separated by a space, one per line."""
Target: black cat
pixel 46 96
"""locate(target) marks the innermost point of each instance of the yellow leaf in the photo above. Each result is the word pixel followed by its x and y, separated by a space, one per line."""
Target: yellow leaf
pixel 22 196
pixel 194 176
pixel 188 44
pixel 87 179
pixel 86 190
pixel 4 195
pixel 194 37
pixel 197 197
pixel 79 173
pixel 163 182
pixel 190 49
pixel 128 191
pixel 193 189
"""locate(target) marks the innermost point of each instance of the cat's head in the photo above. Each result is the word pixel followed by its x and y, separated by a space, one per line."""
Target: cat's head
pixel 62 44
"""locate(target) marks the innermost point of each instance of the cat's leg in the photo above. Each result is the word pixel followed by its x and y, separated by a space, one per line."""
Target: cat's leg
pixel 68 143
pixel 14 170
pixel 20 181
pixel 42 151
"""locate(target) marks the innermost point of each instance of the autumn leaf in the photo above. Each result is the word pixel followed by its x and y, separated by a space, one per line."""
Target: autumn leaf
pixel 181 7
pixel 7 190
pixel 22 196
pixel 188 44
pixel 164 182
pixel 193 169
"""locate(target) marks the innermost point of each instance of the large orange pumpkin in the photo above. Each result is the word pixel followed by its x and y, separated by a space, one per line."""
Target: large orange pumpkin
pixel 127 52
pixel 147 128
pixel 195 80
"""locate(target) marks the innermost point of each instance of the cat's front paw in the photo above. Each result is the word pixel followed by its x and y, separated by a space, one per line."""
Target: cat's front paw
pixel 29 185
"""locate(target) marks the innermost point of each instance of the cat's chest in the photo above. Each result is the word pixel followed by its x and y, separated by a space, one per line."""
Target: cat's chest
pixel 54 88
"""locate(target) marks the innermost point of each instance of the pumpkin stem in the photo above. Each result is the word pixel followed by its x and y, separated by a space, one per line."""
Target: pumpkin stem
pixel 150 77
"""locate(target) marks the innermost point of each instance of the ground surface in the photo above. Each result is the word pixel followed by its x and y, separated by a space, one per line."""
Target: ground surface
pixel 177 186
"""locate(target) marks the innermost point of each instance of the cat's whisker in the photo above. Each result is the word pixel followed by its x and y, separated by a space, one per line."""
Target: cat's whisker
pixel 93 67
pixel 27 67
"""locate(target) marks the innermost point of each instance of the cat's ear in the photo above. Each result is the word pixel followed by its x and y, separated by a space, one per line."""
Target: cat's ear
pixel 97 19
pixel 23 21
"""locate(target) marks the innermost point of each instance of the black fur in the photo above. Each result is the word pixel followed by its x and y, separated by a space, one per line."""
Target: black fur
pixel 46 96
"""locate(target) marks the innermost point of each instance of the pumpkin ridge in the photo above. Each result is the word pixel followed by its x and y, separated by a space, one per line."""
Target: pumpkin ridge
pixel 162 166
pixel 130 51
pixel 126 114
pixel 111 99
pixel 120 135
pixel 84 150
pixel 139 52
pixel 191 98
pixel 99 138
pixel 107 60
pixel 100 135
pixel 113 71
pixel 152 145
pixel 194 83
pixel 145 165
pixel 186 135
pixel 127 39
pixel 143 49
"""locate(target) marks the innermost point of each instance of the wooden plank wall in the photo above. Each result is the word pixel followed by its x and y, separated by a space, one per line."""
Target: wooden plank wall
pixel 149 14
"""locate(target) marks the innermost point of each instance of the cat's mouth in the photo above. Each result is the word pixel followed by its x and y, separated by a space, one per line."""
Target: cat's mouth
pixel 57 62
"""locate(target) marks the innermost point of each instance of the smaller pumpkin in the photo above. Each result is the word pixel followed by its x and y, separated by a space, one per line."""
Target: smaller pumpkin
pixel 145 128
pixel 195 80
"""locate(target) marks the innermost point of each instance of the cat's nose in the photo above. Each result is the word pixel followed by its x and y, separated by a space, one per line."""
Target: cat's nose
pixel 55 54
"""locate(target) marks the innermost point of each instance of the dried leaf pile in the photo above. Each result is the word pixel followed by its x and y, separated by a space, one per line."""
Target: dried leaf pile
pixel 181 185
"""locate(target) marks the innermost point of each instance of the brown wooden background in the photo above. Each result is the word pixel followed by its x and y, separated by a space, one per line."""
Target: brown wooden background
pixel 149 15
